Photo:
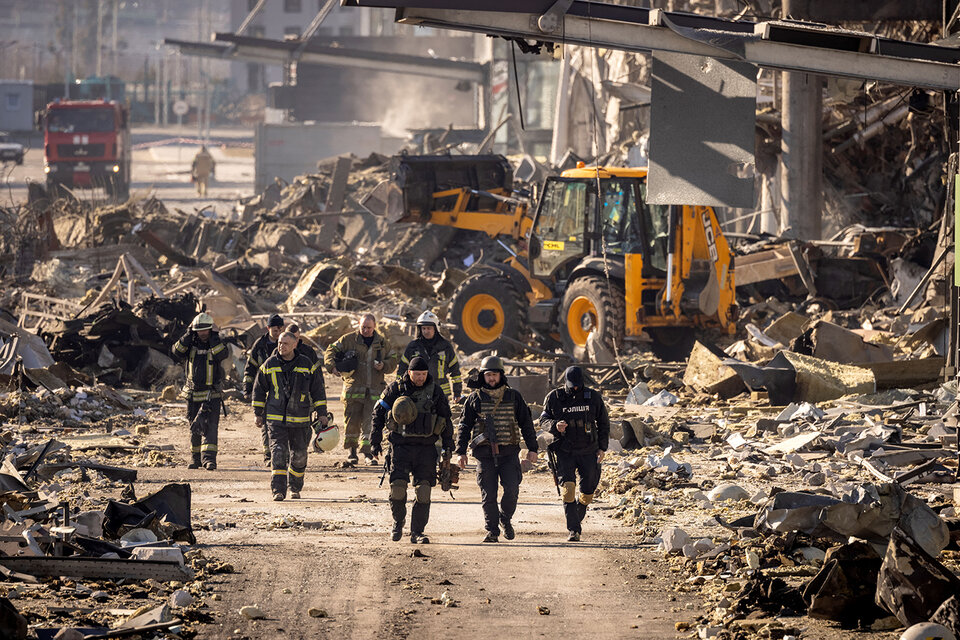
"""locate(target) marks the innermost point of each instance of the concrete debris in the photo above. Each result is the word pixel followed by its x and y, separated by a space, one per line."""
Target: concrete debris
pixel 728 491
pixel 252 612
pixel 674 539
pixel 180 599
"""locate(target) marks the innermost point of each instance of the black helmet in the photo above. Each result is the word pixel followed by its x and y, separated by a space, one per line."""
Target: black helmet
pixel 345 361
pixel 492 363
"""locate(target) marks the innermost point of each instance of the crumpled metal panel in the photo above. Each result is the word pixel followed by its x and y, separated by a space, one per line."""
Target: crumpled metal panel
pixel 702 131
pixel 912 583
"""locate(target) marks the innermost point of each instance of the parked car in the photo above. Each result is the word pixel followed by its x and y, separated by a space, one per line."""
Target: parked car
pixel 10 151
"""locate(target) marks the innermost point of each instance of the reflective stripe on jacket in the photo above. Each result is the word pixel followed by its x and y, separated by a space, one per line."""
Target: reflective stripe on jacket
pixel 289 391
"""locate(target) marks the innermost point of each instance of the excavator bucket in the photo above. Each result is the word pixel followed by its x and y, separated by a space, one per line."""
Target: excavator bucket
pixel 411 193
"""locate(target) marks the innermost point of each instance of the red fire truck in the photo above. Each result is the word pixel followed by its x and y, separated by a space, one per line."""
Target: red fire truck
pixel 86 144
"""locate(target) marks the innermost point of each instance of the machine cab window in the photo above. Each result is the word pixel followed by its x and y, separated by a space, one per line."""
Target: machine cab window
pixel 561 223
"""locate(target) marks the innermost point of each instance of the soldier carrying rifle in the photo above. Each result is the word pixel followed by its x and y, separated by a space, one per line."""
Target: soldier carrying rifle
pixel 495 419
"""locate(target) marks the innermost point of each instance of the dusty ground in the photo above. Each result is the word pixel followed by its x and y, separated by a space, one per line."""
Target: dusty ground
pixel 371 587
pixel 331 550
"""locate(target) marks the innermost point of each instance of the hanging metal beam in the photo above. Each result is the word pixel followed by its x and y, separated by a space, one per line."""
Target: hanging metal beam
pixel 787 46
pixel 229 46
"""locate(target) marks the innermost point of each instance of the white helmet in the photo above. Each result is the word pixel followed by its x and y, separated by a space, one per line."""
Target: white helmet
pixel 928 631
pixel 201 322
pixel 428 317
pixel 326 439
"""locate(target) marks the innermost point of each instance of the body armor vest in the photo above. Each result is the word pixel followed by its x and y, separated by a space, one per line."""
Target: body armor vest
pixel 426 421
pixel 504 421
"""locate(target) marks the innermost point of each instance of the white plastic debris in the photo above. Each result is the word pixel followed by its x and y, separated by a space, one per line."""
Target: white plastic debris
pixel 802 411
pixel 137 536
pixel 639 394
pixel 662 399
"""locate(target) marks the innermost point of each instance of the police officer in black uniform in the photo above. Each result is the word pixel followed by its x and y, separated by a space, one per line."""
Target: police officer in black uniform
pixel 578 420
pixel 495 419
pixel 416 412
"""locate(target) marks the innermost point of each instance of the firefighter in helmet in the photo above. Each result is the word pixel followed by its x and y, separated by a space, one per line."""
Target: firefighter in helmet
pixel 201 349
pixel 440 355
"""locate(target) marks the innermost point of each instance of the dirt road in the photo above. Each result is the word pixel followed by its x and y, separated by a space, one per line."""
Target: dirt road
pixel 337 556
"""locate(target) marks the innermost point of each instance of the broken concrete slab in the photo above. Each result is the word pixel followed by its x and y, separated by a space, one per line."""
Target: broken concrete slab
pixel 706 372
pixel 315 280
pixel 96 568
pixel 819 380
pixel 829 341
pixel 787 327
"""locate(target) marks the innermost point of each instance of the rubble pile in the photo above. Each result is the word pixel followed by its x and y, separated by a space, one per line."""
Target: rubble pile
pixel 80 550
pixel 802 489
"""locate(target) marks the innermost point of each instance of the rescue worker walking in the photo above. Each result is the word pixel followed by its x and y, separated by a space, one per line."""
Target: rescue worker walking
pixel 302 347
pixel 203 352
pixel 495 419
pixel 288 389
pixel 202 169
pixel 416 413
pixel 263 348
pixel 440 355
pixel 362 359
pixel 577 417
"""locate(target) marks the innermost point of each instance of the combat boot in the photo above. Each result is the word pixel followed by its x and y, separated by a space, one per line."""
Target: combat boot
pixel 508 531
pixel 399 510
pixel 366 452
pixel 195 464
pixel 352 458
pixel 418 522
pixel 572 511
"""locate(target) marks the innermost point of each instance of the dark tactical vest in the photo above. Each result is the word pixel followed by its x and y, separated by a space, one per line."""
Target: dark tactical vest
pixel 582 427
pixel 426 424
pixel 504 419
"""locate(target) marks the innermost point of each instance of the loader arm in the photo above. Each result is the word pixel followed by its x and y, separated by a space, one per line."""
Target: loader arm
pixel 700 241
pixel 508 219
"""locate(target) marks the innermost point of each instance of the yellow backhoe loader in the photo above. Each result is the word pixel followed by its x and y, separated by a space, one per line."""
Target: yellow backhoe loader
pixel 593 258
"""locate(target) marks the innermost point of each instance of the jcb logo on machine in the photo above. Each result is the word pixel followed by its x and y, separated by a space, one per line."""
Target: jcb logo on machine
pixel 553 245
pixel 708 232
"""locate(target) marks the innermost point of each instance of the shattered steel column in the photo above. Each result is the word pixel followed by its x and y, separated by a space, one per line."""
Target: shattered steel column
pixel 801 191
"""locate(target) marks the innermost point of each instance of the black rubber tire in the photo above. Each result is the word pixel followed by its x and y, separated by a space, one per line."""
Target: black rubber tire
pixel 672 344
pixel 609 304
pixel 513 304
